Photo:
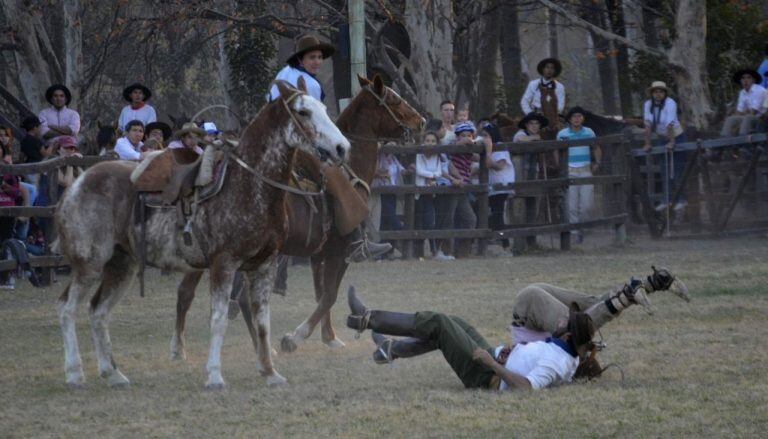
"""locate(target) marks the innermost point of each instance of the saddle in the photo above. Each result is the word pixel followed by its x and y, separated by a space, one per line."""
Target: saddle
pixel 172 174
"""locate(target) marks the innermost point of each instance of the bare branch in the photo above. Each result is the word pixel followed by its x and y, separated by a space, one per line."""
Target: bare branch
pixel 574 19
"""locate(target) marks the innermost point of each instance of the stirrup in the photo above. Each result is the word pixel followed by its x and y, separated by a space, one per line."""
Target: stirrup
pixel 386 352
pixel 359 253
pixel 358 322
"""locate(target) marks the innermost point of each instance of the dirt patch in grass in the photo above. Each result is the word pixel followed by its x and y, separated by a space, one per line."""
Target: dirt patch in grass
pixel 690 369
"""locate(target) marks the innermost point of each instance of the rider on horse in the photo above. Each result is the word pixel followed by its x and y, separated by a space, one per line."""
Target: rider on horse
pixel 546 95
pixel 350 208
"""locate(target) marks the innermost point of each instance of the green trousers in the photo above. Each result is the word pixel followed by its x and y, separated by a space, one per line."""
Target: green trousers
pixel 457 340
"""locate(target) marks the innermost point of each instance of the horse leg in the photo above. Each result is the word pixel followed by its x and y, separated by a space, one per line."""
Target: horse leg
pixel 335 267
pixel 117 277
pixel 261 284
pixel 82 281
pixel 185 294
pixel 291 340
pixel 222 272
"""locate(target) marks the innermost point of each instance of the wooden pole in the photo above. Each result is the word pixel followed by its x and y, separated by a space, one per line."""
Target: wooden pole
pixel 356 43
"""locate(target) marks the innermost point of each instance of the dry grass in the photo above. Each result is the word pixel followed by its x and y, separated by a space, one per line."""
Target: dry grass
pixel 691 370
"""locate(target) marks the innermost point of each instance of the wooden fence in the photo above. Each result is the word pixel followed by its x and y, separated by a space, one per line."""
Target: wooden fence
pixel 612 179
pixel 48 169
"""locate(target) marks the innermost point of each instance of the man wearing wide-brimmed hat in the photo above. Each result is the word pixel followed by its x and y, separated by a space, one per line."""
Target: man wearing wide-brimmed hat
pixel 546 95
pixel 749 107
pixel 305 62
pixel 137 96
pixel 160 131
pixel 350 209
pixel 189 136
pixel 58 119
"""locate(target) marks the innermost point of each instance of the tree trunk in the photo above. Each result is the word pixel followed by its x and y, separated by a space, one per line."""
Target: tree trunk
pixel 552 33
pixel 616 16
pixel 650 30
pixel 485 103
pixel 73 47
pixel 688 56
pixel 605 66
pixel 511 57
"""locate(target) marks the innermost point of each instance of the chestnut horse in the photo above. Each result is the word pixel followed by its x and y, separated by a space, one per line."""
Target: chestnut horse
pixel 245 221
pixel 376 112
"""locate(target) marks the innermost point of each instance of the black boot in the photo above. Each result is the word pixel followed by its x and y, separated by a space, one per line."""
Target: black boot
pixel 663 280
pixel 385 322
pixel 390 349
pixel 361 248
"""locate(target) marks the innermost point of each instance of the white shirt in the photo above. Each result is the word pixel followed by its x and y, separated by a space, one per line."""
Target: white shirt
pixel 126 151
pixel 427 168
pixel 145 114
pixel 291 76
pixel 503 176
pixel 63 117
pixel 665 117
pixel 542 364
pixel 531 100
pixel 752 99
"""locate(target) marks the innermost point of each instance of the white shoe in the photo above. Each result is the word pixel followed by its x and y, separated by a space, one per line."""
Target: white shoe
pixel 440 256
pixel 680 205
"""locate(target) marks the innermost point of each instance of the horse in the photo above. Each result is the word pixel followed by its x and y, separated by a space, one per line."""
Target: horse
pixel 106 137
pixel 244 222
pixel 374 113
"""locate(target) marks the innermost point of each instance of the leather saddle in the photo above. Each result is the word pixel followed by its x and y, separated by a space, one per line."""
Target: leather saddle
pixel 172 174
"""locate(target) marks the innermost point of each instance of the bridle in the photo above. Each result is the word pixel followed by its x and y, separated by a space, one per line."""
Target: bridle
pixel 302 131
pixel 382 101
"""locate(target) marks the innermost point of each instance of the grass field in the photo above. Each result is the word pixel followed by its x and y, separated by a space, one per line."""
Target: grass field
pixel 692 370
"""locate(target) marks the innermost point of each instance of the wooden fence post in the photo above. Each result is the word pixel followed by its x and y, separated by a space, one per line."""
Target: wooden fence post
pixel 482 204
pixel 565 236
pixel 49 231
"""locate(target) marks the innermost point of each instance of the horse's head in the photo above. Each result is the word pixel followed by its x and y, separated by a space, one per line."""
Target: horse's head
pixel 309 128
pixel 107 135
pixel 398 118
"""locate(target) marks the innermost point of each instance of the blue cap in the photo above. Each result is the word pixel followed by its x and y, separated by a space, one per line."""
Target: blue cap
pixel 464 126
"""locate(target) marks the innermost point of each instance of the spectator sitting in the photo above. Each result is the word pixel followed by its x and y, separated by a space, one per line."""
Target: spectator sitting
pixel 32 147
pixel 429 172
pixel 68 174
pixel 129 146
pixel 58 119
pixel 749 106
pixel 137 95
pixel 159 131
pixel 188 137
pixel 660 117
pixel 580 197
pixel 11 192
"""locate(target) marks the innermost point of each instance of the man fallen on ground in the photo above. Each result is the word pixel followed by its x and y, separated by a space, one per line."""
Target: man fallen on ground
pixel 541 314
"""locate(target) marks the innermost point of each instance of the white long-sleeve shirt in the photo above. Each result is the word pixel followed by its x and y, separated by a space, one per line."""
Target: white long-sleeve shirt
pixel 752 99
pixel 145 114
pixel 666 116
pixel 531 100
pixel 61 117
pixel 126 151
pixel 291 75
pixel 428 167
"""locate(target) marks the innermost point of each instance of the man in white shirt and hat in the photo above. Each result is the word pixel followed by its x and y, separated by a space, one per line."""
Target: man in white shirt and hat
pixel 58 119
pixel 749 106
pixel 546 95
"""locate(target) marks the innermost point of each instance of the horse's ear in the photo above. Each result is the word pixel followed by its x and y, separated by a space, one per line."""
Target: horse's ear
pixel 284 89
pixel 378 85
pixel 301 84
pixel 98 124
pixel 115 125
pixel 364 82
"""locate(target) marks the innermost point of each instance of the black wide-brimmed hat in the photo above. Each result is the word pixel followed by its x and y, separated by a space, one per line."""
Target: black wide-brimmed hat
pixel 53 88
pixel 543 121
pixel 128 90
pixel 162 126
pixel 308 43
pixel 751 72
pixel 558 66
pixel 575 110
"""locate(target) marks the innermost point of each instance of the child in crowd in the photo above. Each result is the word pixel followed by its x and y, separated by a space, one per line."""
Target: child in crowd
pixel 11 194
pixel 68 174
pixel 188 137
pixel 389 172
pixel 501 171
pixel 429 172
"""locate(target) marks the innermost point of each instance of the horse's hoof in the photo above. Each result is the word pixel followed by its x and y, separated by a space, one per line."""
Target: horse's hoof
pixel 179 356
pixel 335 343
pixel 287 344
pixel 276 380
pixel 118 381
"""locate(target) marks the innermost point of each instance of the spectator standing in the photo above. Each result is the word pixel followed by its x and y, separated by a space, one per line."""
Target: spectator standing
pixel 129 146
pixel 501 171
pixel 580 164
pixel 58 119
pixel 749 106
pixel 660 118
pixel 429 173
pixel 447 114
pixel 33 147
pixel 10 193
pixel 461 168
pixel 188 137
pixel 530 128
pixel 159 131
pixel 388 173
pixel 137 96
pixel 68 174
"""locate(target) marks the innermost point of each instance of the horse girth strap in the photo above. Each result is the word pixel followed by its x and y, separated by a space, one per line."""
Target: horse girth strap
pixel 271 182
pixel 355 180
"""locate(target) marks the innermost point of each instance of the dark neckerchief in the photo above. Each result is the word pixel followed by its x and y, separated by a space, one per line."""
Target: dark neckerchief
pixel 564 345
pixel 549 85
pixel 322 93
pixel 656 109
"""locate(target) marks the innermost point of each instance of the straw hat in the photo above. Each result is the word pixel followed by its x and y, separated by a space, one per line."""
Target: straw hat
pixel 658 85
pixel 189 128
